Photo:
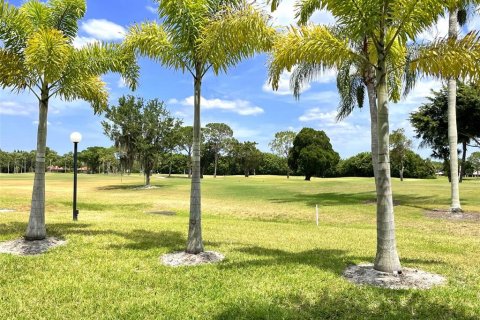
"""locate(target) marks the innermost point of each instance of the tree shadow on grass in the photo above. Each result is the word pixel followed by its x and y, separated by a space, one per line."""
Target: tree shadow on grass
pixel 350 303
pixel 332 260
pixel 358 198
pixel 136 239
pixel 100 206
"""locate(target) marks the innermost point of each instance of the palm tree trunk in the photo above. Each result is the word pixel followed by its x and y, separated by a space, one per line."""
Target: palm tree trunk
pixel 189 164
pixel 452 124
pixel 36 225
pixel 386 259
pixel 464 160
pixel 195 244
pixel 372 96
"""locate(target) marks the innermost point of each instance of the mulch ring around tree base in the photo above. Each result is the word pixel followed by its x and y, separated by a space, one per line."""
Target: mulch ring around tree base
pixel 22 247
pixel 145 187
pixel 177 259
pixel 408 279
pixel 457 216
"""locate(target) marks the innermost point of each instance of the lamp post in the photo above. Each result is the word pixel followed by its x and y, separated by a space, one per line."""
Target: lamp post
pixel 75 137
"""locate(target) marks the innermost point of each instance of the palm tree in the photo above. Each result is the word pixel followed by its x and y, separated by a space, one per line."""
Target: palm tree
pixel 37 55
pixel 456 16
pixel 386 24
pixel 196 36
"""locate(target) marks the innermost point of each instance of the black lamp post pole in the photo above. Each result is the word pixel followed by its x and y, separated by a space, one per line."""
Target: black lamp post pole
pixel 75 211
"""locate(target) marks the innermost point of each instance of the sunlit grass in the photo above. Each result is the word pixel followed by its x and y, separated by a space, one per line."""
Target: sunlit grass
pixel 279 263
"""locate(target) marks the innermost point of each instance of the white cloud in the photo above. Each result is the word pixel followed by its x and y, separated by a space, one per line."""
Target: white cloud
pixel 103 29
pixel 151 9
pixel 80 42
pixel 12 108
pixel 241 107
pixel 327 76
pixel 438 30
pixel 284 15
pixel 421 91
pixel 315 114
pixel 329 98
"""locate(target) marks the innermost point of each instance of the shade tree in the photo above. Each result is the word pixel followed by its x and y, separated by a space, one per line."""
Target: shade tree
pixel 218 136
pixel 145 127
pixel 399 146
pixel 431 122
pixel 281 145
pixel 312 154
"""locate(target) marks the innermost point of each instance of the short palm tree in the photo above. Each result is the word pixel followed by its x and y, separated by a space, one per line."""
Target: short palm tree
pixel 196 36
pixel 383 23
pixel 37 55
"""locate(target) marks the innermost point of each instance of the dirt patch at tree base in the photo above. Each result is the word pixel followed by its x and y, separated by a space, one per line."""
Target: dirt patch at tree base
pixel 408 279
pixel 145 188
pixel 22 247
pixel 182 258
pixel 456 216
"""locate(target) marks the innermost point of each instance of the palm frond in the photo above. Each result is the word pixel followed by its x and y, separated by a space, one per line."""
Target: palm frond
pixel 47 54
pixel 65 15
pixel 91 89
pixel 13 73
pixel 151 40
pixel 14 27
pixel 449 58
pixel 303 74
pixel 233 35
pixel 315 45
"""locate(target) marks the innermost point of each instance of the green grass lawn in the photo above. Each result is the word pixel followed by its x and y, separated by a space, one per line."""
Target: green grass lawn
pixel 278 265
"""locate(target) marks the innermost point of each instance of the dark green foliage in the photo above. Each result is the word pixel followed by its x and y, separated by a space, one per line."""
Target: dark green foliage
pixel 247 156
pixel 431 120
pixel 142 130
pixel 312 154
pixel 359 165
pixel 272 164
pixel 414 167
pixel 91 157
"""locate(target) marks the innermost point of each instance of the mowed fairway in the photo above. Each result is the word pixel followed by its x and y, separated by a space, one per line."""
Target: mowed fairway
pixel 278 265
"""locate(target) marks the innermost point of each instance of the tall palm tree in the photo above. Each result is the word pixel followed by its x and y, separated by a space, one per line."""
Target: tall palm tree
pixel 37 55
pixel 384 23
pixel 452 121
pixel 457 14
pixel 196 36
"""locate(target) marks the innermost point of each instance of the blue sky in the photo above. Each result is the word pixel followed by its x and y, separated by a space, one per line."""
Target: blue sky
pixel 241 98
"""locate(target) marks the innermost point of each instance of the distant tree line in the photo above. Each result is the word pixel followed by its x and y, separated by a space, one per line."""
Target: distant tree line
pixel 308 153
